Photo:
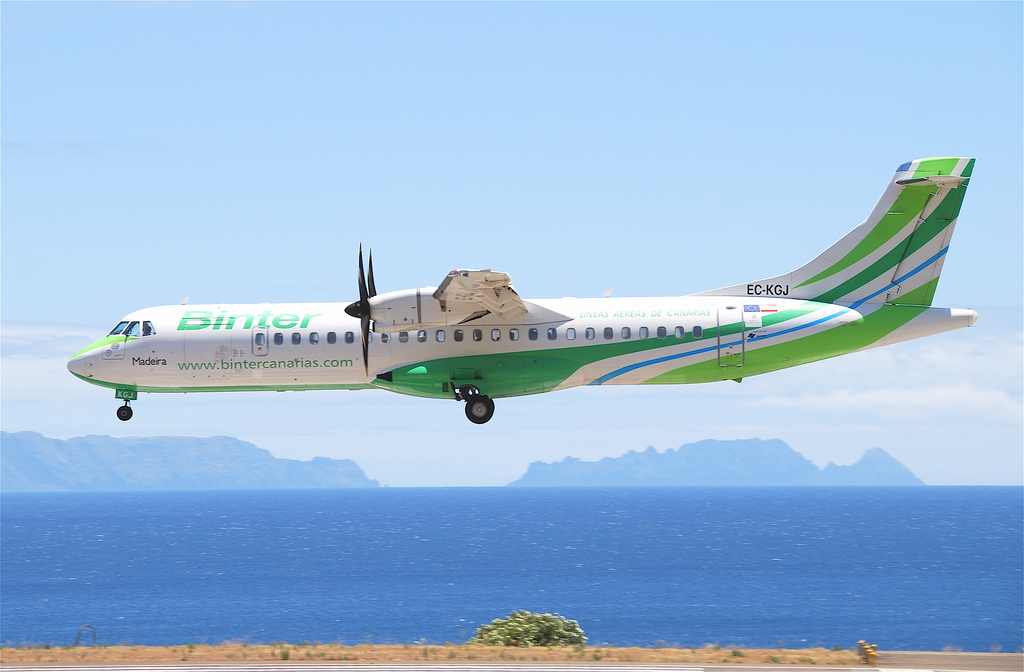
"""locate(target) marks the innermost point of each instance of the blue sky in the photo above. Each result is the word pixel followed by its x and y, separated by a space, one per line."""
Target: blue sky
pixel 241 152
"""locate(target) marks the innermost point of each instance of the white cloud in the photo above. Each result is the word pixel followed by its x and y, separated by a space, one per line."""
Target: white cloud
pixel 946 403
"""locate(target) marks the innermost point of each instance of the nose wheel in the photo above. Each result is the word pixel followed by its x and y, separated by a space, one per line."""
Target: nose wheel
pixel 124 413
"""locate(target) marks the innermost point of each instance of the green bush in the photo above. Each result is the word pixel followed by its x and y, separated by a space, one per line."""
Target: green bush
pixel 523 628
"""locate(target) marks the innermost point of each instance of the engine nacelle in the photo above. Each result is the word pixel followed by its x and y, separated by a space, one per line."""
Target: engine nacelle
pixel 410 310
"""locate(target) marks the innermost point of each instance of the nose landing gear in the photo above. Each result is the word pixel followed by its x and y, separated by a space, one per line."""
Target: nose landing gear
pixel 124 413
pixel 479 407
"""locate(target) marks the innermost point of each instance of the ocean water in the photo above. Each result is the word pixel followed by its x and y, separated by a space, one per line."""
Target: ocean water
pixel 906 568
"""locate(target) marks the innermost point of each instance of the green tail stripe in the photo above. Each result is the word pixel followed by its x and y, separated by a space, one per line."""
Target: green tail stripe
pixel 907 206
pixel 937 166
pixel 922 296
pixel 886 264
pixel 936 223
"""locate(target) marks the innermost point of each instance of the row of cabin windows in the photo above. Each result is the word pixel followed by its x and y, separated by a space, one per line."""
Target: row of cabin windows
pixel 590 334
pixel 314 338
pixel 145 328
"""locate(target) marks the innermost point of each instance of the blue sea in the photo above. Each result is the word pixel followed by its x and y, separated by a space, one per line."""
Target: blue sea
pixel 905 568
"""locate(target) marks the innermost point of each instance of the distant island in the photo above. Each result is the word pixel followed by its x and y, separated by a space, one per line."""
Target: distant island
pixel 31 462
pixel 748 462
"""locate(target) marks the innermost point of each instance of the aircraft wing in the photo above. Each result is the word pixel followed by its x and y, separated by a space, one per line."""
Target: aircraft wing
pixel 479 291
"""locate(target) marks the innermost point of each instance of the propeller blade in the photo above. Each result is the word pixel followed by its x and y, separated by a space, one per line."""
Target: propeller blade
pixel 364 328
pixel 363 296
pixel 363 309
pixel 372 286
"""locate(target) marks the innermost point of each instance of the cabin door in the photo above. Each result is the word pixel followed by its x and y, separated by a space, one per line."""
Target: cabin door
pixel 731 336
pixel 260 341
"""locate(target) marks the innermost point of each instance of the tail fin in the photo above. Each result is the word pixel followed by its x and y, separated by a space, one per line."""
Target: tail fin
pixel 895 255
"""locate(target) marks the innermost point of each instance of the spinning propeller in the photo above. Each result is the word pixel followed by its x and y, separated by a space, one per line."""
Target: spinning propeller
pixel 361 308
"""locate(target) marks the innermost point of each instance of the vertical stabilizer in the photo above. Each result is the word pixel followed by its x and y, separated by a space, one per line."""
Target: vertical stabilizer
pixel 894 256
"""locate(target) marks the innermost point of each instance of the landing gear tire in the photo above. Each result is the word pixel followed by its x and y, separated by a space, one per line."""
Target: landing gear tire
pixel 124 413
pixel 479 409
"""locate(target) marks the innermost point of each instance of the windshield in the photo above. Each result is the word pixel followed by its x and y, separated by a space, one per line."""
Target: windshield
pixel 118 329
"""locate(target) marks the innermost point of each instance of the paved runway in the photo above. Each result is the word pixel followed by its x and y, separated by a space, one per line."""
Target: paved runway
pixel 901 661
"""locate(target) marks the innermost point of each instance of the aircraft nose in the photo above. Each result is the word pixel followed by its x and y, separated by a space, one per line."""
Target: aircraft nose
pixel 81 366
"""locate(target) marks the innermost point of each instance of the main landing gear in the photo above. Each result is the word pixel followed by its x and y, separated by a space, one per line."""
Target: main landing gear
pixel 124 413
pixel 479 407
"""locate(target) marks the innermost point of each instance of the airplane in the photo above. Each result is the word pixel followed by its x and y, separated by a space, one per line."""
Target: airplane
pixel 474 339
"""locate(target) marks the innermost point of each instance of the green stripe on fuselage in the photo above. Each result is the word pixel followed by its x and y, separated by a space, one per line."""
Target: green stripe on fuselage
pixel 104 342
pixel 531 372
pixel 226 388
pixel 814 347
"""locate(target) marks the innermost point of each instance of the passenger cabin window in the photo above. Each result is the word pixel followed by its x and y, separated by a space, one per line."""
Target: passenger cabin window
pixel 403 337
pixel 609 333
pixel 495 334
pixel 278 338
pixel 384 338
pixel 625 332
pixel 132 330
pixel 118 329
pixel 680 332
pixel 147 328
pixel 458 335
pixel 570 334
pixel 421 336
pixel 314 338
pixel 698 332
pixel 478 335
pixel 552 333
pixel 332 338
pixel 513 334
pixel 662 332
pixel 533 334
pixel 590 333
pixel 440 336
pixel 261 339
pixel 350 337
pixel 645 332
pixel 296 338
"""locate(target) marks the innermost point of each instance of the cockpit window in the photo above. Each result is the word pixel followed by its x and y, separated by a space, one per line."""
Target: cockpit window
pixel 132 330
pixel 118 329
pixel 147 328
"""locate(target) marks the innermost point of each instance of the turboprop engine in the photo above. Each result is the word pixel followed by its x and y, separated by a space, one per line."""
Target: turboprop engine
pixel 462 296
pixel 411 309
